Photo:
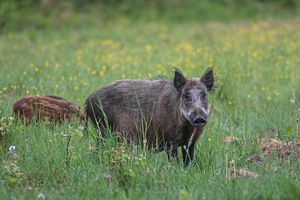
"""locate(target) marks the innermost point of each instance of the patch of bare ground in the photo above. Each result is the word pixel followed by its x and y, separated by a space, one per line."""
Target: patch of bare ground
pixel 271 146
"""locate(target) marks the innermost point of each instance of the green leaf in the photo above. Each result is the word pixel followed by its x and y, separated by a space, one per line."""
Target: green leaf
pixel 131 173
pixel 79 134
pixel 288 131
pixel 12 179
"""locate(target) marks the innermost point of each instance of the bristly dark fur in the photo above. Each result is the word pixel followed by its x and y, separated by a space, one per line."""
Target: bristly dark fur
pixel 167 114
pixel 160 77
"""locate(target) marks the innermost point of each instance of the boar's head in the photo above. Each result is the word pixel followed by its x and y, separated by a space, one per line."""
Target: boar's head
pixel 192 93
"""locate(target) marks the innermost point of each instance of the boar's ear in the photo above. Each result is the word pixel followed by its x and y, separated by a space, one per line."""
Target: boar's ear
pixel 208 79
pixel 179 79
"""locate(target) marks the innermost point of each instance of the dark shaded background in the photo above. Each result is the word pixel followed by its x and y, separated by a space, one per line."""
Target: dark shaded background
pixel 18 15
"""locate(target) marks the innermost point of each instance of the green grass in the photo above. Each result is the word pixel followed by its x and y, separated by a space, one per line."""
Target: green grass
pixel 257 65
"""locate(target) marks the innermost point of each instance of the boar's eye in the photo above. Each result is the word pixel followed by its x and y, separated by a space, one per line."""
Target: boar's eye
pixel 187 96
pixel 203 95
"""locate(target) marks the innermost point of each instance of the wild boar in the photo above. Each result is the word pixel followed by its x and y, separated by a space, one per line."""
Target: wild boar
pixel 55 109
pixel 165 114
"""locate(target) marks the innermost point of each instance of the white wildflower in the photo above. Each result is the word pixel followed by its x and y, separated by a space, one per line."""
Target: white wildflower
pixel 41 196
pixel 12 148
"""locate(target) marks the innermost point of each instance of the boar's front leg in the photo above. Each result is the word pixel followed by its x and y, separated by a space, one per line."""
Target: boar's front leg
pixel 188 154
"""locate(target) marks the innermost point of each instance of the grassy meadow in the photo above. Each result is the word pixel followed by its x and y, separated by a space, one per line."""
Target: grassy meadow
pixel 257 65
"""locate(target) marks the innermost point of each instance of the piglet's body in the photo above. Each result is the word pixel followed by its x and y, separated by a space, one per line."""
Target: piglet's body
pixel 55 109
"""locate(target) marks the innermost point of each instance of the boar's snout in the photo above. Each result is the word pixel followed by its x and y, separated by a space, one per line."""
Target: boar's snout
pixel 198 117
pixel 200 120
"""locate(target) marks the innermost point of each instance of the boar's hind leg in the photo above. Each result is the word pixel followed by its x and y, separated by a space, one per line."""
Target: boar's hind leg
pixel 188 154
pixel 172 152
